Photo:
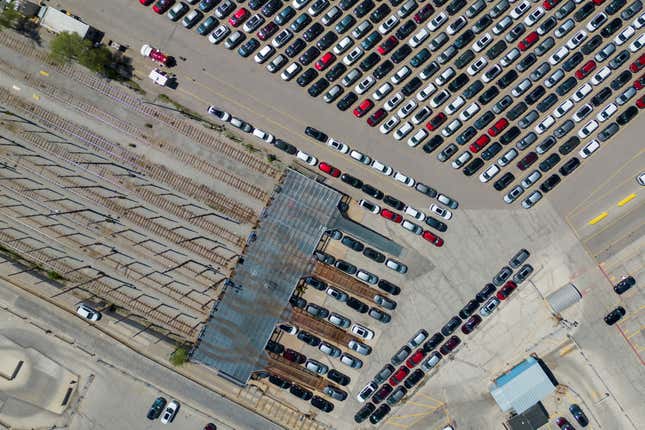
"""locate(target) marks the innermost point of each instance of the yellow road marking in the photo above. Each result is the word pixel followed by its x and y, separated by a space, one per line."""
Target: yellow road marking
pixel 598 218
pixel 44 73
pixel 626 200
pixel 635 333
pixel 567 349
pixel 35 96
pixel 613 222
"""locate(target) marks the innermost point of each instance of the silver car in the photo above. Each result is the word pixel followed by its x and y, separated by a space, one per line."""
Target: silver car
pixel 339 320
pixel 351 361
pixel 531 200
pixel 512 195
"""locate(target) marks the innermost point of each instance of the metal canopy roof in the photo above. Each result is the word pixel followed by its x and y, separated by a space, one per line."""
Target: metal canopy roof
pixel 233 339
pixel 522 387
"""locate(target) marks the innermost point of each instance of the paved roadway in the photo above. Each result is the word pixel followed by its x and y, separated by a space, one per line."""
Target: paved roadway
pixel 106 350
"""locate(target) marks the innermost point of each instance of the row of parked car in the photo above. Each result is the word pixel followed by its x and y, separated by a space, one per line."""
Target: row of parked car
pixel 621 287
pixel 425 356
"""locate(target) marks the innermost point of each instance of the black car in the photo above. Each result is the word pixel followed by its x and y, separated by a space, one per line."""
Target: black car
pixel 615 6
pixel 421 57
pixel 156 409
pixel 488 95
pixel 507 79
pixel 472 90
pixel 515 33
pixel 394 202
pixel 295 48
pixel 322 404
pixel 374 255
pixel 495 50
pixel 308 338
pixel 346 267
pixel 248 47
pixel 455 6
pixel 274 347
pixel 584 11
pixel 485 119
pixel 485 293
pixel 452 325
pixel 327 40
pixel 509 135
pixel 517 110
pixel 352 243
pixel 492 150
pixel 279 382
pixel 591 45
pixel 548 24
pixel 625 284
pixel 284 16
pixel 297 302
pixel 483 23
pixel 568 167
pixel 316 134
pixel 624 77
pixel 434 142
pixel 572 62
pixel 378 415
pixel 548 101
pixel 338 377
pixel 271 7
pixel 526 62
pixel 627 115
pixel 335 72
pixel 350 180
pixel 457 83
pixel 347 4
pixel 414 378
pixel 433 342
pixel 463 40
pixel 436 224
pixel 550 183
pixel 369 62
pixel 372 192
pixel 413 85
pixel 364 412
pixel 309 55
pixel 504 181
pixel 307 76
pixel 380 13
pixel 401 54
pixel 549 162
pixel 389 287
pixel 468 310
pixel 383 69
pixel 405 29
pixel 301 393
pixel 357 305
pixel 601 96
pixel 566 86
pixel 318 87
pixel 612 317
pixel 464 59
pixel 430 69
pixel 579 415
pixel 301 22
pixel 347 101
pixel 535 95
pixel 256 4
pixel 569 145
pixel 611 27
pixel 364 8
pixel 466 135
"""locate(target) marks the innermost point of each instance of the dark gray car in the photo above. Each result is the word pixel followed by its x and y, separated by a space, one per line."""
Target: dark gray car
pixel 502 276
pixel 523 273
pixel 608 132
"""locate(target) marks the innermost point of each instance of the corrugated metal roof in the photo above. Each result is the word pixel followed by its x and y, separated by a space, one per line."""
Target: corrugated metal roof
pixel 523 389
pixel 58 22
pixel 564 297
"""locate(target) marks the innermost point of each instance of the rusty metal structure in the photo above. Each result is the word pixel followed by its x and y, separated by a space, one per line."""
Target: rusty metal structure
pixel 343 281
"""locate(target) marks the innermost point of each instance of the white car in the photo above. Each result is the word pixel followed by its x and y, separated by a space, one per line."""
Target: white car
pixel 372 207
pixel 559 55
pixel 282 38
pixel 607 112
pixel 407 109
pixel 388 24
pixel 220 114
pixel 482 42
pixel 421 115
pixel 545 124
pixel 589 148
pixel 299 4
pixel 412 227
pixel 382 91
pixel 581 92
pixel 366 392
pixel 534 17
pixel 264 54
pixel 624 35
pixel 403 131
pixel 599 77
pixel 510 57
pixel 309 159
pixel 389 125
pixel 489 173
pixel 400 75
pixel 417 138
pixel 445 76
pixel 88 312
pixel 531 179
pixel 353 56
pixel 338 145
pixel 364 85
pixel 362 332
pixel 454 105
pixel 393 102
pixel 509 156
pixel 386 170
pixel 419 38
pixel 463 158
pixel 520 9
pixel 414 213
pixel 263 135
pixel 456 25
pixel 426 92
pixel 577 39
pixel 588 129
pixel 360 157
pixel 170 412
pixel 469 112
pixel 292 70
pixel 595 22
pixel 316 366
pixel 438 210
pixel 639 22
pixel 437 21
pixel 343 45
pixel 404 179
pixel 564 107
pixel 397 266
pixel 637 44
pixel 522 87
pixel 367 277
pixel 477 66
pixel 451 128
pixel 582 112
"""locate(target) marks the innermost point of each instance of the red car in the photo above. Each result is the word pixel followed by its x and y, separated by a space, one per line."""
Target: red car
pixel 506 290
pixel 363 108
pixel 589 67
pixel 399 376
pixel 388 214
pixel 415 358
pixel 268 31
pixel 598 2
pixel 564 424
pixel 550 4
pixel 294 356
pixel 239 17
pixel 382 393
pixel 376 117
pixel 329 169
pixel 639 83
pixel 450 345
pixel 162 6
pixel 325 61
pixel 528 41
pixel 388 45
pixel 481 141
pixel 436 121
pixel 637 65
pixel 423 14
pixel 528 159
pixel 146 2
pixel 432 238
pixel 640 103
pixel 498 127
pixel 470 325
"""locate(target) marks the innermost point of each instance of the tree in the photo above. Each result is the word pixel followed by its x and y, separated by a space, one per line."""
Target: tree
pixel 179 356
pixel 67 47
pixel 9 16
